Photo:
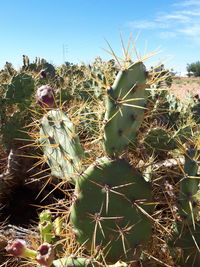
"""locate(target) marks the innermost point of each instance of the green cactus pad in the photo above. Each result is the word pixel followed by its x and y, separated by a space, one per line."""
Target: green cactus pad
pixel 81 262
pixel 188 240
pixel 72 262
pixel 125 108
pixel 20 89
pixel 196 111
pixel 61 145
pixel 111 199
pixel 183 134
pixel 189 186
pixel 159 139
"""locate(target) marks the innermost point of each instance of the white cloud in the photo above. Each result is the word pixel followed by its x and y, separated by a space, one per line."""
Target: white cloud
pixel 191 12
pixel 183 20
pixel 167 35
pixel 176 16
pixel 193 31
pixel 187 3
pixel 146 24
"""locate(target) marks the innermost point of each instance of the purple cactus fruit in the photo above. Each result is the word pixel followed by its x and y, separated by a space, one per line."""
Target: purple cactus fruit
pixel 45 96
pixel 197 96
pixel 16 248
pixel 45 254
pixel 43 74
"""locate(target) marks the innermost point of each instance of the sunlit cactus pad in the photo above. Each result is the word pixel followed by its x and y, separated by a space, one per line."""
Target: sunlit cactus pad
pixel 125 108
pixel 73 261
pixel 110 209
pixel 60 145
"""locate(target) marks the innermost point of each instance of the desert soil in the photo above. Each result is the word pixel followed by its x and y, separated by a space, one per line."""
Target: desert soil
pixel 184 86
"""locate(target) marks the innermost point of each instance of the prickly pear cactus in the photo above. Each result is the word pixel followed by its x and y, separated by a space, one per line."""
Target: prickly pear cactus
pixel 188 240
pixel 186 232
pixel 61 145
pixel 14 114
pixel 125 106
pixel 81 262
pixel 20 90
pixel 73 261
pixel 189 186
pixel 196 111
pixel 109 211
pixel 159 139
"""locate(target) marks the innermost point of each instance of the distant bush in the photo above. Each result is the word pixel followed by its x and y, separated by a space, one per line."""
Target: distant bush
pixel 193 69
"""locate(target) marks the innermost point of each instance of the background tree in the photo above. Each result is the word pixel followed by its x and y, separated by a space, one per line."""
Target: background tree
pixel 193 69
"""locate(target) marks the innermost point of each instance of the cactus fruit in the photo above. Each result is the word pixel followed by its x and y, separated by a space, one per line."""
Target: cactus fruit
pixel 46 226
pixel 18 248
pixel 45 254
pixel 110 198
pixel 125 108
pixel 45 96
pixel 61 145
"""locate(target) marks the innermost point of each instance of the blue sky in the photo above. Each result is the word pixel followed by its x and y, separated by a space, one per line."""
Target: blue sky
pixel 75 30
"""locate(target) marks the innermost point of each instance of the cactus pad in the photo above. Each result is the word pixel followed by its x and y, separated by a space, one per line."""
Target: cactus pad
pixel 61 145
pixel 189 186
pixel 188 240
pixel 124 108
pixel 159 139
pixel 111 199
pixel 73 261
pixel 20 89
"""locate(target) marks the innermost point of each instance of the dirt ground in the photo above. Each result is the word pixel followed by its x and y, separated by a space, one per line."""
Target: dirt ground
pixel 184 86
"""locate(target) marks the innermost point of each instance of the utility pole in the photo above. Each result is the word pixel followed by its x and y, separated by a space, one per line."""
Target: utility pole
pixel 64 51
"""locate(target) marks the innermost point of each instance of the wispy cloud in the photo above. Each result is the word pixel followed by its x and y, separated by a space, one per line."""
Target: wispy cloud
pixel 183 20
pixel 187 3
pixel 167 34
pixel 193 31
pixel 146 24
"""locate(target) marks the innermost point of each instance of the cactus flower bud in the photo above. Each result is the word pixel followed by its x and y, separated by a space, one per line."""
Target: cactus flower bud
pixel 45 96
pixel 18 248
pixel 45 254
